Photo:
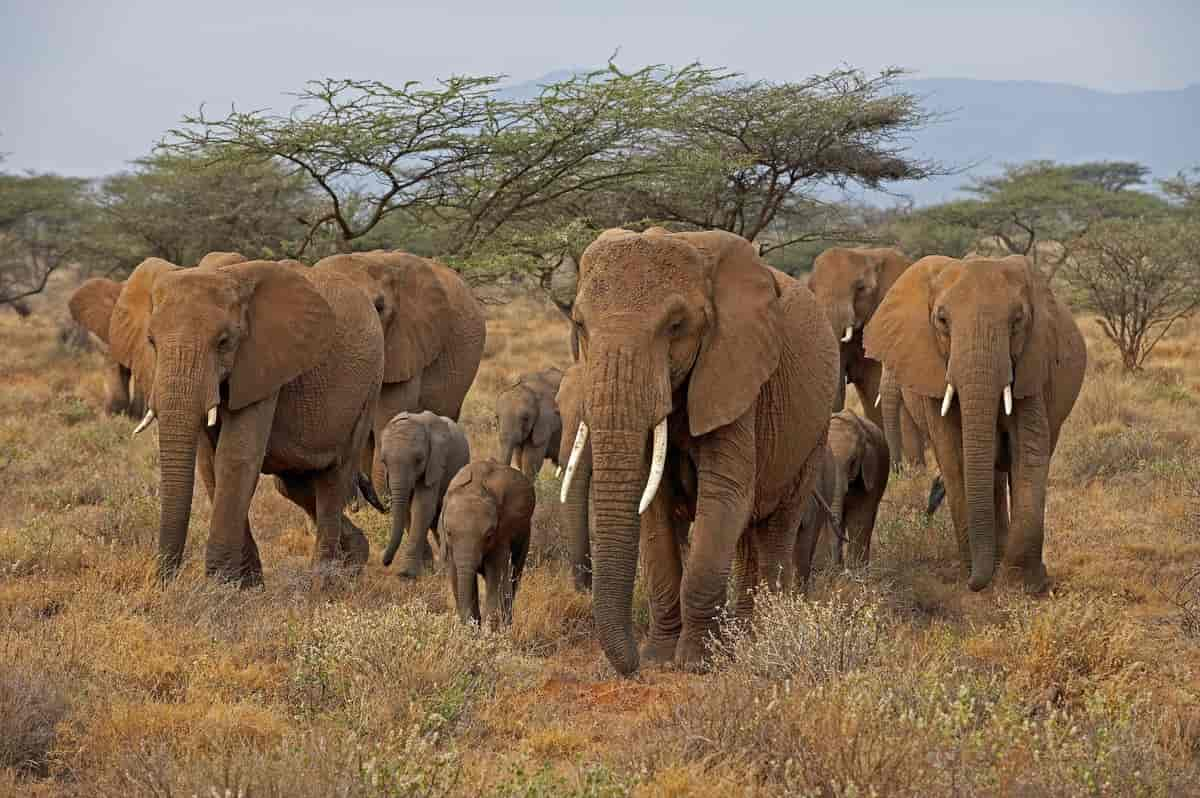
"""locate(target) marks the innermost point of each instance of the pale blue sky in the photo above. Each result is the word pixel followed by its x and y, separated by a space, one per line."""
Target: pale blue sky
pixel 87 86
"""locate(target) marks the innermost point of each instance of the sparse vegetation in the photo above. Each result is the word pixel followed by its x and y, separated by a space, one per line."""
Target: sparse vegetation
pixel 895 682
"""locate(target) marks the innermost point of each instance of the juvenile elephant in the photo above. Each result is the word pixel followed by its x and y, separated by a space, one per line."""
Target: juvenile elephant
pixel 575 498
pixel 258 367
pixel 851 487
pixel 723 371
pixel 849 284
pixel 484 531
pixel 989 333
pixel 434 333
pixel 529 423
pixel 421 452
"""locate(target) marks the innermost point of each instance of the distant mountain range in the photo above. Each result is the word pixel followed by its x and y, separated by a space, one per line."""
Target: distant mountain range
pixel 989 123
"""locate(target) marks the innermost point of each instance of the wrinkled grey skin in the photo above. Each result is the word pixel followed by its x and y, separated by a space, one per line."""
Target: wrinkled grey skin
pixel 421 453
pixel 858 456
pixel 484 531
pixel 528 421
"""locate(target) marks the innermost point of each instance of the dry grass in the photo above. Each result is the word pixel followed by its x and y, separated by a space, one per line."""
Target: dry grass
pixel 896 682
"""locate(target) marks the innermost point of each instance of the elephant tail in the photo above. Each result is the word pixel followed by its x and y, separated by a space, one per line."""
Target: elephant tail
pixel 937 492
pixel 367 489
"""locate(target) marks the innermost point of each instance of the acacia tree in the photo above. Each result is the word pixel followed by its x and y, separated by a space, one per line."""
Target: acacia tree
pixel 1140 277
pixel 40 221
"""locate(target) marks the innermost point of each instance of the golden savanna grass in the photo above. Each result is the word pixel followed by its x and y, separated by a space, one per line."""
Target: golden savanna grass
pixel 893 682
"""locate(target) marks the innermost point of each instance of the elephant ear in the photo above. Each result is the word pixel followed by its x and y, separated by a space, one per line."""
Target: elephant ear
pixel 1033 367
pixel 900 335
pixel 291 329
pixel 420 322
pixel 568 399
pixel 740 350
pixel 130 321
pixel 890 264
pixel 439 450
pixel 875 461
pixel 215 260
pixel 92 305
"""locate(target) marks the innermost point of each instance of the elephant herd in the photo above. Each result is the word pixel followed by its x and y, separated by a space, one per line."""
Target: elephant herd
pixel 700 430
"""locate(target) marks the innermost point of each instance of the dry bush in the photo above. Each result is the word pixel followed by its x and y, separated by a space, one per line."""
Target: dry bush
pixel 549 615
pixel 31 707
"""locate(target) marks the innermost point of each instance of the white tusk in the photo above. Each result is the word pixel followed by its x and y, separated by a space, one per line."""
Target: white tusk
pixel 878 399
pixel 558 472
pixel 1008 399
pixel 949 398
pixel 212 416
pixel 848 335
pixel 132 383
pixel 576 451
pixel 145 422
pixel 657 461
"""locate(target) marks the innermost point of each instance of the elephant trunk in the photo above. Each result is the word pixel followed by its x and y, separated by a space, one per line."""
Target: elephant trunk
pixel 467 557
pixel 979 388
pixel 892 406
pixel 400 517
pixel 837 532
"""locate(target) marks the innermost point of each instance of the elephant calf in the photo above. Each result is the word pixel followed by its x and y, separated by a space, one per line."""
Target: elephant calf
pixel 529 423
pixel 484 530
pixel 853 479
pixel 421 452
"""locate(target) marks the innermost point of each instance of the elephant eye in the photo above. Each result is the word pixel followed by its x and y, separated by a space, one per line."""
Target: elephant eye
pixel 941 318
pixel 675 327
pixel 223 341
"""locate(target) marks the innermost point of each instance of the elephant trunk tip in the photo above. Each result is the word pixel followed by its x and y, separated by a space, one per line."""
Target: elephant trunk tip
pixel 367 488
pixel 980 578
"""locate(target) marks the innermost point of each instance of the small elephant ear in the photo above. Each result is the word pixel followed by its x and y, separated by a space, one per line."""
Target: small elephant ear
pixel 900 334
pixel 420 323
pixel 439 450
pixel 1041 344
pixel 740 350
pixel 130 322
pixel 291 329
pixel 92 305
pixel 875 461
pixel 215 260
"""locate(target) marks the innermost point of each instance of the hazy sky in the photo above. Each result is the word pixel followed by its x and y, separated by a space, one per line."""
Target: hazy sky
pixel 88 86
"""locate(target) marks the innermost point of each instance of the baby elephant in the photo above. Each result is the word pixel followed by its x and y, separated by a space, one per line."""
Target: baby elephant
pixel 528 419
pixel 421 453
pixel 850 487
pixel 484 530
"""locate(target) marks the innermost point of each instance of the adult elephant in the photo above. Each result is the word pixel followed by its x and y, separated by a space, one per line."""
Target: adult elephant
pixel 731 368
pixel 434 333
pixel 528 421
pixel 849 284
pixel 276 369
pixel 990 333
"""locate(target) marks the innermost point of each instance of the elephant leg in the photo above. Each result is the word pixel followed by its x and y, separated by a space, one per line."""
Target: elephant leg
pixel 745 577
pixel 251 564
pixel 394 397
pixel 913 440
pixel 946 437
pixel 664 570
pixel 725 468
pixel 237 462
pixel 518 554
pixel 497 576
pixel 415 553
pixel 337 539
pixel 859 525
pixel 1027 484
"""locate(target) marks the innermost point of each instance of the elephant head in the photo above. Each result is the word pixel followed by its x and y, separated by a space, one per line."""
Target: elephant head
pixel 981 331
pixel 415 450
pixel 683 324
pixel 203 339
pixel 849 284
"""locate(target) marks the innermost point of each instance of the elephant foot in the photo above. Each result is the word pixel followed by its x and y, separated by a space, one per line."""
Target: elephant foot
pixel 413 570
pixel 251 578
pixel 1037 581
pixel 583 581
pixel 659 651
pixel 691 654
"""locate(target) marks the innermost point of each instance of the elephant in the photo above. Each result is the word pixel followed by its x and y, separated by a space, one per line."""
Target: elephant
pixel 257 367
pixel 730 367
pixel 91 307
pixel 484 531
pixel 421 452
pixel 990 334
pixel 576 498
pixel 849 284
pixel 434 333
pixel 850 489
pixel 528 420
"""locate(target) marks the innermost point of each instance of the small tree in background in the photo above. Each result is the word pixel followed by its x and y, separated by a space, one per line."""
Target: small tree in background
pixel 1140 277
pixel 40 221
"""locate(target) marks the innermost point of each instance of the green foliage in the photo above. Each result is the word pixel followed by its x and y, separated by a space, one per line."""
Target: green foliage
pixel 41 217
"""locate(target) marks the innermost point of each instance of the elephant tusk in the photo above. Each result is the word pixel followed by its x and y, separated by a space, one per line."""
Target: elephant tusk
pixel 132 384
pixel 878 399
pixel 658 460
pixel 558 472
pixel 145 422
pixel 949 398
pixel 1008 399
pixel 576 451
pixel 212 416
pixel 848 334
